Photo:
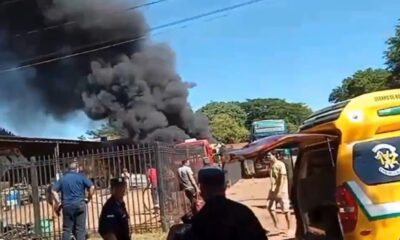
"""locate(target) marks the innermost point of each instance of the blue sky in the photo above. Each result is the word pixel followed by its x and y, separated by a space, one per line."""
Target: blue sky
pixel 293 49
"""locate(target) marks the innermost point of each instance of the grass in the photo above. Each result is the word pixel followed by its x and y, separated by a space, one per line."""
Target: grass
pixel 151 236
pixel 146 236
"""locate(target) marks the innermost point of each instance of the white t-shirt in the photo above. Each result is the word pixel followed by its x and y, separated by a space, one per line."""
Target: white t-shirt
pixel 184 173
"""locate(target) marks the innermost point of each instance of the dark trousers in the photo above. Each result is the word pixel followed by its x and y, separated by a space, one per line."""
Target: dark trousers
pixel 191 195
pixel 74 221
pixel 154 196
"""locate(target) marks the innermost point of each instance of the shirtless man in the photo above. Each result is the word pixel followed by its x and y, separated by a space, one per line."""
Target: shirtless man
pixel 279 192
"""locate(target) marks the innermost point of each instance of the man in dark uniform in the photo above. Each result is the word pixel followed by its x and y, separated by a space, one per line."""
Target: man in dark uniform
pixel 221 218
pixel 114 218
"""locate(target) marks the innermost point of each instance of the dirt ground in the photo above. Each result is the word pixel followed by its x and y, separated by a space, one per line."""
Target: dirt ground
pixel 253 193
pixel 141 217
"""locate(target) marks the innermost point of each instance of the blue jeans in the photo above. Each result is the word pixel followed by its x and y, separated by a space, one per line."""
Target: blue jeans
pixel 74 221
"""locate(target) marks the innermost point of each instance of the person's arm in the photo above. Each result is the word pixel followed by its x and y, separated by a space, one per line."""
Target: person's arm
pixel 54 191
pixel 282 177
pixel 89 185
pixel 91 193
pixel 56 203
pixel 192 180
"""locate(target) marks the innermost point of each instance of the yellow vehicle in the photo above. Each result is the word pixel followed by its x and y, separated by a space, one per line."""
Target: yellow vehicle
pixel 346 182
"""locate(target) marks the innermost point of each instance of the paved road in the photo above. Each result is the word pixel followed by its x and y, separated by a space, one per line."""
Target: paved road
pixel 253 193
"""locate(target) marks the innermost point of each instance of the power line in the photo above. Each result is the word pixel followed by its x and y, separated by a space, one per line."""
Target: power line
pixel 163 26
pixel 81 47
pixel 127 38
pixel 38 30
pixel 10 2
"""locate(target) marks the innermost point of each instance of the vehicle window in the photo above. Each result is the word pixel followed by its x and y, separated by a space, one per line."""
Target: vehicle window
pixel 192 150
pixel 377 162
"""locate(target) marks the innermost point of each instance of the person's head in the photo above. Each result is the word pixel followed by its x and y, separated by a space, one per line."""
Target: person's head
pixel 212 182
pixel 118 188
pixel 206 161
pixel 73 166
pixel 272 156
pixel 185 162
pixel 125 170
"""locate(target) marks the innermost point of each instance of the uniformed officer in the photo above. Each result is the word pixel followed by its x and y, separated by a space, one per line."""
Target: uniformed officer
pixel 114 218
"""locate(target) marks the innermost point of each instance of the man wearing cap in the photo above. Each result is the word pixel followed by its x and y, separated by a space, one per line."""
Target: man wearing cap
pixel 114 218
pixel 72 186
pixel 221 218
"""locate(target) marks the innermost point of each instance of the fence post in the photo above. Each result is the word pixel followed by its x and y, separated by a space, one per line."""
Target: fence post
pixel 161 186
pixel 35 197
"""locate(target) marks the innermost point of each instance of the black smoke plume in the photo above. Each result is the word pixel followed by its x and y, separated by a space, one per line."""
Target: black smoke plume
pixel 134 86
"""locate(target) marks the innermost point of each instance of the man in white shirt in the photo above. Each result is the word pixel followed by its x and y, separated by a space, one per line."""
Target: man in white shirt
pixel 126 175
pixel 187 182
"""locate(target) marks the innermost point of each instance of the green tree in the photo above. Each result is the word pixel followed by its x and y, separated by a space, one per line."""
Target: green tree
pixel 362 81
pixel 227 121
pixel 4 132
pixel 227 129
pixel 273 108
pixel 232 109
pixel 392 55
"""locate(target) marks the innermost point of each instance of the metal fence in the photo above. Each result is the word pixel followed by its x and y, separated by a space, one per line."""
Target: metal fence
pixel 25 188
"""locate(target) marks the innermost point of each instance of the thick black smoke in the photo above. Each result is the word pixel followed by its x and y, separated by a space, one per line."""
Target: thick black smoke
pixel 134 86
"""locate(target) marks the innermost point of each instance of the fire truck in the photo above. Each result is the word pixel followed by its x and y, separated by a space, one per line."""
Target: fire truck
pixel 196 151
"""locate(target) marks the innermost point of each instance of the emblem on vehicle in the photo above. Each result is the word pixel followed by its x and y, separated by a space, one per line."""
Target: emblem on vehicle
pixel 388 158
pixel 356 116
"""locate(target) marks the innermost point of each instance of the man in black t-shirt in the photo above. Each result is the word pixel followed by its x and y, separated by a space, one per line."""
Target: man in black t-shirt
pixel 114 218
pixel 221 218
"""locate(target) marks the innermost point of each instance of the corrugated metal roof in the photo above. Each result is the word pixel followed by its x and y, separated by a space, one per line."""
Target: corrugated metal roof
pixel 42 140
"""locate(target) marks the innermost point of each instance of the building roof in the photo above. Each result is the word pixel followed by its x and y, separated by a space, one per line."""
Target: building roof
pixel 41 140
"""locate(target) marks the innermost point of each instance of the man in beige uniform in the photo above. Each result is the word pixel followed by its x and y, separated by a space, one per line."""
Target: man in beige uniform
pixel 279 192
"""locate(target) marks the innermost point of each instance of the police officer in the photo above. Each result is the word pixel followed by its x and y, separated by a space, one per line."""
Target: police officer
pixel 114 218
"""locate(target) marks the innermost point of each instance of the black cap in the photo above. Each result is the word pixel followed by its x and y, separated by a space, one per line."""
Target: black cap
pixel 211 176
pixel 119 181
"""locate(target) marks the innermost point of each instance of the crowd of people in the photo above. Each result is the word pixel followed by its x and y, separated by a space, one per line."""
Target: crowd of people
pixel 218 217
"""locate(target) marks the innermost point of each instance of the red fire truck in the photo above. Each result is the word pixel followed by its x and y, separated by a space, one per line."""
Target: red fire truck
pixel 196 151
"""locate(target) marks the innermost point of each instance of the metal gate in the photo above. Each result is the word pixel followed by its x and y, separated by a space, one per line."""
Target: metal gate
pixel 25 188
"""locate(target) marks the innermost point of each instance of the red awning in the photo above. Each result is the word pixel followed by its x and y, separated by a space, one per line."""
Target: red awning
pixel 269 143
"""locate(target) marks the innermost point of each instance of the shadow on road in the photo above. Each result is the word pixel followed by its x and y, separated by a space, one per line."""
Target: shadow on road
pixel 252 199
pixel 259 206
